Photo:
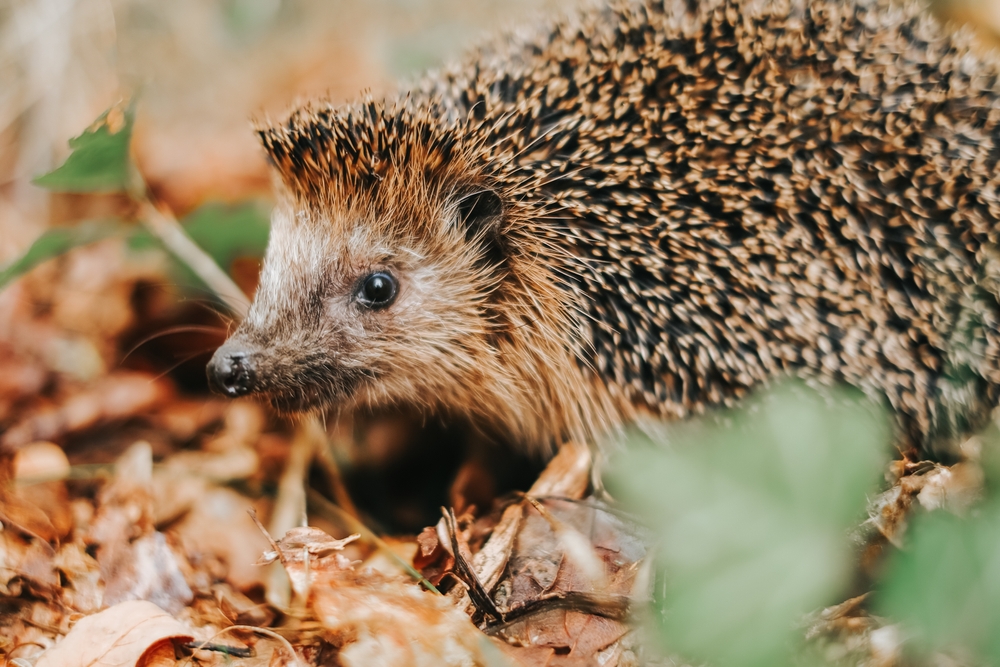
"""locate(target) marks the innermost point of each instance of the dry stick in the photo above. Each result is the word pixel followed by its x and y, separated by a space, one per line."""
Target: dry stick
pixel 165 227
pixel 290 504
pixel 473 587
pixel 253 630
pixel 567 475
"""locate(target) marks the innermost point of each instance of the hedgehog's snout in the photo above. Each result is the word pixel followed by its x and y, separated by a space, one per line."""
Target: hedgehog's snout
pixel 232 370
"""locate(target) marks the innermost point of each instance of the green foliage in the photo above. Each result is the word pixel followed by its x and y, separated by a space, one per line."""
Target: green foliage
pixel 100 162
pixel 752 510
pixel 57 241
pixel 100 159
pixel 224 231
pixel 944 586
pixel 229 231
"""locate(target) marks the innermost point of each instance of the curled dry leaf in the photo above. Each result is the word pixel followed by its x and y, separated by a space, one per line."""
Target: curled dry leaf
pixel 120 636
pixel 307 553
pixel 932 485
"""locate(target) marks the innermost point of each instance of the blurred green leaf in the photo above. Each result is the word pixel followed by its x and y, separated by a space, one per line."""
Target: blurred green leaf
pixel 225 232
pixel 945 585
pixel 228 231
pixel 100 160
pixel 246 18
pixel 752 509
pixel 58 241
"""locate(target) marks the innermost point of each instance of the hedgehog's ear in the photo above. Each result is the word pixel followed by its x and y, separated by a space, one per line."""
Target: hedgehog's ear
pixel 479 211
pixel 479 214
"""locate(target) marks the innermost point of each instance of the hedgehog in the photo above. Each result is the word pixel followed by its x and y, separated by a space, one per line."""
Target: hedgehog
pixel 643 210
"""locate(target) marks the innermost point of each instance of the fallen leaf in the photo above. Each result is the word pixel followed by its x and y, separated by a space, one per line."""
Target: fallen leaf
pixel 136 561
pixel 306 553
pixel 120 636
pixel 112 398
pixel 219 538
pixel 378 620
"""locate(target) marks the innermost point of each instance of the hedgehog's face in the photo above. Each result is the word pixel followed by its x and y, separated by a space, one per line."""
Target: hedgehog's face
pixel 364 308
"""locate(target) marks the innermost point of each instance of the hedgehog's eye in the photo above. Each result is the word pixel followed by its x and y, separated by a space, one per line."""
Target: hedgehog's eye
pixel 377 290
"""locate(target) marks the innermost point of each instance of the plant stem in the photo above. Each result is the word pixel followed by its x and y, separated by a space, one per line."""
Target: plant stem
pixel 164 226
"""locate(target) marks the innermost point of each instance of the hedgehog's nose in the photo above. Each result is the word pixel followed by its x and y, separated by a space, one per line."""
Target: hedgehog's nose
pixel 231 372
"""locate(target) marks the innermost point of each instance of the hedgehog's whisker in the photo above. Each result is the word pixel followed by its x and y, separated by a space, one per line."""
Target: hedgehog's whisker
pixel 193 328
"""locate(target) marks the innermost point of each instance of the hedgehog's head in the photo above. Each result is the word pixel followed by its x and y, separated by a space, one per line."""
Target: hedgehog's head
pixel 388 256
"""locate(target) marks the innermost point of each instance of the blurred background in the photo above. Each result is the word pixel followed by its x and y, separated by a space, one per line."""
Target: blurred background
pixel 202 69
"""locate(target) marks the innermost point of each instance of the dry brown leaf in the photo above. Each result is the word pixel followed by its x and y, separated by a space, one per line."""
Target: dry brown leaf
pixel 135 560
pixel 232 464
pixel 566 638
pixel 112 398
pixel 40 510
pixel 220 540
pixel 954 488
pixel 600 563
pixel 185 418
pixel 307 553
pixel 145 569
pixel 934 486
pixel 40 461
pixel 39 470
pixel 83 591
pixel 378 620
pixel 120 636
pixel 567 475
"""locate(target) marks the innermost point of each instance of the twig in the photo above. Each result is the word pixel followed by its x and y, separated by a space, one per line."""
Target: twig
pixel 615 607
pixel 290 505
pixel 225 649
pixel 479 596
pixel 253 630
pixel 164 226
pixel 333 477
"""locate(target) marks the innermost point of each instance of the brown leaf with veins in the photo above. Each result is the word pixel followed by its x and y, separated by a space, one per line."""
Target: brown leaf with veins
pixel 120 636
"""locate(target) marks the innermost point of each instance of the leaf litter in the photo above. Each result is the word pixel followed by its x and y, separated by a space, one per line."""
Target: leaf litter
pixel 126 497
pixel 126 538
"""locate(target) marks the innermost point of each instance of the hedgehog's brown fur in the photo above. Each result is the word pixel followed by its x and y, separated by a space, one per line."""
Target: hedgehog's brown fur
pixel 696 198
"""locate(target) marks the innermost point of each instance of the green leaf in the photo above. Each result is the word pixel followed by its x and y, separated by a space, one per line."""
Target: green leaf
pixel 752 509
pixel 58 241
pixel 229 231
pixel 99 161
pixel 945 585
pixel 224 231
